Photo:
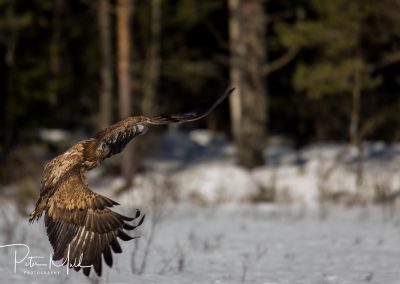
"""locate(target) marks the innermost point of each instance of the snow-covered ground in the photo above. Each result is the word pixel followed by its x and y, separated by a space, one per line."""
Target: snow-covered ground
pixel 200 167
pixel 202 228
pixel 239 244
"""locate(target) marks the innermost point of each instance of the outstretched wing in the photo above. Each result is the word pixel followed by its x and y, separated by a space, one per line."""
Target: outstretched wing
pixel 81 227
pixel 195 114
pixel 117 136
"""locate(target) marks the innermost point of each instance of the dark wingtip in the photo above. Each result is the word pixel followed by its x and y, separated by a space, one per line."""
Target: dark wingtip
pixel 137 214
pixel 116 246
pixel 98 267
pixel 107 255
pixel 86 271
pixel 193 115
pixel 141 221
pixel 123 236
pixel 129 227
pixel 114 202
pixel 125 218
pixel 229 91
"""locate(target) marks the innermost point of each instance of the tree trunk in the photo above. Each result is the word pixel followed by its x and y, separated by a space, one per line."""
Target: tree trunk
pixel 55 42
pixel 124 88
pixel 254 112
pixel 237 51
pixel 152 69
pixel 12 41
pixel 106 75
pixel 354 129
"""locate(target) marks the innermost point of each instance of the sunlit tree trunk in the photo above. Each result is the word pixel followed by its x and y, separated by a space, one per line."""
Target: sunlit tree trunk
pixel 106 74
pixel 236 65
pixel 153 62
pixel 254 116
pixel 123 12
pixel 248 57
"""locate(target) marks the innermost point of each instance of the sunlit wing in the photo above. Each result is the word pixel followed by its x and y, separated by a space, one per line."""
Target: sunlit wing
pixel 117 136
pixel 57 167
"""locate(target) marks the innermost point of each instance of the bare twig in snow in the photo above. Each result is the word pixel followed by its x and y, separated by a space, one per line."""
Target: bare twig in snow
pixel 251 260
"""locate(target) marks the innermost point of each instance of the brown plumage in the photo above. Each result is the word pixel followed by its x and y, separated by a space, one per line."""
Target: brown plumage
pixel 80 225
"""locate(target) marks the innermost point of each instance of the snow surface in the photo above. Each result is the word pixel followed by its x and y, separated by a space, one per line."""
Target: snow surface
pixel 202 165
pixel 241 244
pixel 201 228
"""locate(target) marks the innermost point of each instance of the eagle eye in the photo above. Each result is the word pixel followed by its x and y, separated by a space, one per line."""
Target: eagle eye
pixel 103 146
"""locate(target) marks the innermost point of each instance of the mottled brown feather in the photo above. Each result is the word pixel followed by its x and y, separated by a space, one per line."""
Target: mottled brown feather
pixel 74 226
pixel 78 221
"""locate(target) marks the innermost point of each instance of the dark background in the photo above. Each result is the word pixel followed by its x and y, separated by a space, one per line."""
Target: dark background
pixel 50 61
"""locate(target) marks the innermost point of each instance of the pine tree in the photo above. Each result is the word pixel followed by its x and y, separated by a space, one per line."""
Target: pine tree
pixel 339 36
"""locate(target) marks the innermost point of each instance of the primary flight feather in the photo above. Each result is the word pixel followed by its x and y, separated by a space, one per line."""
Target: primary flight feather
pixel 80 225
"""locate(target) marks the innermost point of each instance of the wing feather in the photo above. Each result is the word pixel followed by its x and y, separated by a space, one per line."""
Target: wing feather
pixel 107 255
pixel 118 135
pixel 82 235
pixel 115 246
pixel 60 166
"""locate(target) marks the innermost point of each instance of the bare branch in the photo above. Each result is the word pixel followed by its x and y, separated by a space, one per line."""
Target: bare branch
pixel 221 42
pixel 282 61
pixel 387 61
pixel 376 121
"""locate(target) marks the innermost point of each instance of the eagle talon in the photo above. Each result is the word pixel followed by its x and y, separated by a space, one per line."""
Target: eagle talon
pixel 34 216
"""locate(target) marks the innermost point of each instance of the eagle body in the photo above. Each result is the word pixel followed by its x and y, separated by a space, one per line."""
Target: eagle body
pixel 66 171
pixel 80 225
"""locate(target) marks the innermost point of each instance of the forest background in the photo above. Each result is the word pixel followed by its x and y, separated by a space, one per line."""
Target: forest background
pixel 307 71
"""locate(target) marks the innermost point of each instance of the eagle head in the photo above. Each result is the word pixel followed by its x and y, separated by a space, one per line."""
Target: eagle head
pixel 94 153
pixel 102 150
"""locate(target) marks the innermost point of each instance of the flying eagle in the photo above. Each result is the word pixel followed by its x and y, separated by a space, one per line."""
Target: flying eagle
pixel 80 225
